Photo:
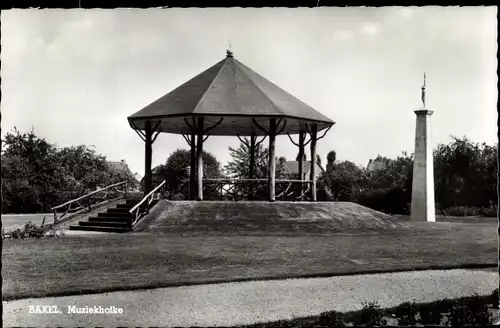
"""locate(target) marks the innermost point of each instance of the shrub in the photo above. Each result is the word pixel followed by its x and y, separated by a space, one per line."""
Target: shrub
pixel 371 315
pixel 473 311
pixel 493 299
pixel 406 314
pixel 462 211
pixel 30 230
pixel 393 200
pixel 490 212
pixel 479 312
pixel 178 196
pixel 33 231
pixel 330 319
pixel 430 316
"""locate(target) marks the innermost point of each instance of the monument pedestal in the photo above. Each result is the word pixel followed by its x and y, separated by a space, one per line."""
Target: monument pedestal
pixel 422 198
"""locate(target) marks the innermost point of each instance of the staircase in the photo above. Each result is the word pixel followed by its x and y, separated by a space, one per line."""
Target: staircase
pixel 115 219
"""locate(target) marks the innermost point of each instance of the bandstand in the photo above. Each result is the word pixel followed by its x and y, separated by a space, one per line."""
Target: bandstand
pixel 230 99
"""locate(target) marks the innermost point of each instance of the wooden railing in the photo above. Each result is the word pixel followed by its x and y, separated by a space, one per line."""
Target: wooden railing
pixel 257 189
pixel 142 208
pixel 88 201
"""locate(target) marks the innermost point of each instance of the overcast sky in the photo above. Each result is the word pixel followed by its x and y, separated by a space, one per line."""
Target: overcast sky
pixel 76 75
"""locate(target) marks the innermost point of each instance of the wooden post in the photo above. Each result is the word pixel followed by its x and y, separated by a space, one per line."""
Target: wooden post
pixel 148 177
pixel 192 173
pixel 272 160
pixel 302 136
pixel 301 155
pixel 199 155
pixel 253 139
pixel 314 132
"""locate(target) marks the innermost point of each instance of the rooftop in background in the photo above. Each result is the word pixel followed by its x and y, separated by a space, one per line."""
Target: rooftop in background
pixel 231 91
pixel 293 168
pixel 121 166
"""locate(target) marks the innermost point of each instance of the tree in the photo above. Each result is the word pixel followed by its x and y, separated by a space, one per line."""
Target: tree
pixel 116 175
pixel 389 189
pixel 37 176
pixel 465 174
pixel 239 166
pixel 30 173
pixel 304 157
pixel 346 181
pixel 331 158
pixel 87 167
pixel 175 171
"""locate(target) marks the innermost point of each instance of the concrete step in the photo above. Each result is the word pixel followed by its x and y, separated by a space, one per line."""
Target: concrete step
pixel 132 202
pixel 108 219
pixel 127 206
pixel 118 210
pixel 103 224
pixel 113 215
pixel 101 229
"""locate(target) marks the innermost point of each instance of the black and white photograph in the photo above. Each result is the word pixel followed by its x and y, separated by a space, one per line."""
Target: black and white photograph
pixel 250 167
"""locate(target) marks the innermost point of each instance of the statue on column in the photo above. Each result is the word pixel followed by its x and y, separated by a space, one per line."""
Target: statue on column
pixel 423 92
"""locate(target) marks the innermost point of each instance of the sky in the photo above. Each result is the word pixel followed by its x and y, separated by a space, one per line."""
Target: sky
pixel 76 75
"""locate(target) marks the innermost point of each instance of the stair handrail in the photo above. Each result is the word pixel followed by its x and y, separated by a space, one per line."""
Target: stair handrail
pixel 87 196
pixel 136 213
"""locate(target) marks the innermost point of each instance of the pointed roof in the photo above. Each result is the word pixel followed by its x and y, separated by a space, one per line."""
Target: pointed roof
pixel 233 92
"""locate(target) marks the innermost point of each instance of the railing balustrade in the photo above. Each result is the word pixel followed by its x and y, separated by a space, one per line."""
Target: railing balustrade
pixel 88 201
pixel 257 189
pixel 142 208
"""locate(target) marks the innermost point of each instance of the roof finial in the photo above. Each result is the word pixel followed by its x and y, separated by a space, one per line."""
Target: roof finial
pixel 423 92
pixel 229 53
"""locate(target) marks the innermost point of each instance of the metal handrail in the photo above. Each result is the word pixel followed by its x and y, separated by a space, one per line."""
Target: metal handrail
pixel 135 212
pixel 87 196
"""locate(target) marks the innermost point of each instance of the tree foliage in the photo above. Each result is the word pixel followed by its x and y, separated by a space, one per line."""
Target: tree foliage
pixel 175 171
pixel 465 174
pixel 239 166
pixel 37 176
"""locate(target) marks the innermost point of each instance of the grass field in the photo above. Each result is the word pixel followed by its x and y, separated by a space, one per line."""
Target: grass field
pixel 14 221
pixel 98 263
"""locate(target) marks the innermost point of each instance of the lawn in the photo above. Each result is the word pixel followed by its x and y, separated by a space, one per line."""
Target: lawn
pixel 98 263
pixel 14 221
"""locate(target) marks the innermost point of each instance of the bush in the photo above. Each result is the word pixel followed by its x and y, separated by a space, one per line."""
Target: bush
pixel 430 316
pixel 473 311
pixel 489 212
pixel 371 315
pixel 461 211
pixel 178 196
pixel 30 230
pixel 388 200
pixel 330 319
pixel 406 314
pixel 493 299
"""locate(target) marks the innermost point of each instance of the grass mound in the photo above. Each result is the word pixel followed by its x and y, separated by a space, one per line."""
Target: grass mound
pixel 259 217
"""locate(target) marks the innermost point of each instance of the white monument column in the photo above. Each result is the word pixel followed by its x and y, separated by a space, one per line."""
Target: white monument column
pixel 422 197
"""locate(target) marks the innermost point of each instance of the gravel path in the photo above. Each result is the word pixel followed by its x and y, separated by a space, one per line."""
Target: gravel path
pixel 250 302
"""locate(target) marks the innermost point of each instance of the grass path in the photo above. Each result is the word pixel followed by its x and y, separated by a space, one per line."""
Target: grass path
pixel 251 302
pixel 97 263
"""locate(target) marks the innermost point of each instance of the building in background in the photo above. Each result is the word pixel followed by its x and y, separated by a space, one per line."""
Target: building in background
pixel 122 166
pixel 377 164
pixel 292 168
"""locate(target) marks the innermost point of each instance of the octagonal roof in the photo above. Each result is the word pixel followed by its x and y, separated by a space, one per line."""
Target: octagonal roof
pixel 234 93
